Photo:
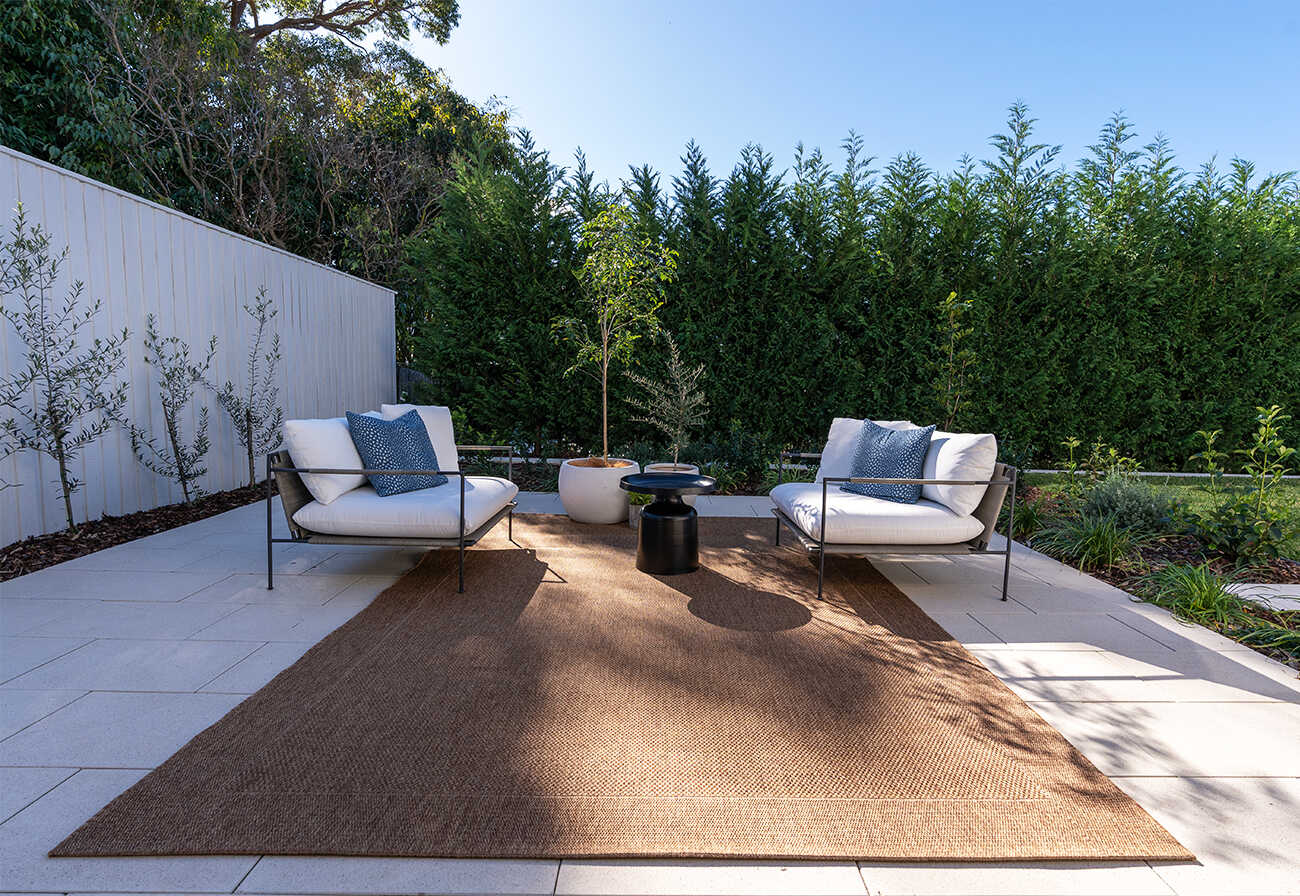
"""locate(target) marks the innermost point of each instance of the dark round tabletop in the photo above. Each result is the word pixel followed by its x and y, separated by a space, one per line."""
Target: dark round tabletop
pixel 668 484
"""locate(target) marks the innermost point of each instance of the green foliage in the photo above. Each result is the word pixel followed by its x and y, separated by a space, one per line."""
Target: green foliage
pixel 255 412
pixel 956 357
pixel 1125 298
pixel 623 275
pixel 674 405
pixel 177 378
pixel 1132 503
pixel 353 20
pixel 1030 518
pixel 1090 542
pixel 327 149
pixel 1197 594
pixel 65 397
pixel 1257 523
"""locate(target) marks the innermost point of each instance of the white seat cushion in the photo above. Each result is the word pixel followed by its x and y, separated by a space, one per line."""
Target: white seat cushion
pixel 327 444
pixel 858 519
pixel 952 455
pixel 437 420
pixel 427 513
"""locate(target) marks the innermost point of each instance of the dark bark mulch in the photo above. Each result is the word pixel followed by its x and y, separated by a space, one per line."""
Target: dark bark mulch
pixel 41 551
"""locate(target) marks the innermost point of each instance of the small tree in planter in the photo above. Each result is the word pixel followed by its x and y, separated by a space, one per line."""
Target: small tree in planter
pixel 178 377
pixel 623 280
pixel 256 412
pixel 674 405
pixel 65 397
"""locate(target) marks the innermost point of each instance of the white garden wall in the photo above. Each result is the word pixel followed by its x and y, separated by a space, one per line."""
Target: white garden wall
pixel 336 333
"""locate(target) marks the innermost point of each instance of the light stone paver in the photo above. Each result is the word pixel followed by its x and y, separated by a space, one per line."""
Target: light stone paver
pixel 20 787
pixel 1011 879
pixel 122 619
pixel 107 729
pixel 128 665
pixel 251 674
pixel 21 709
pixel 325 875
pixel 683 878
pixel 21 655
pixel 1177 712
pixel 26 838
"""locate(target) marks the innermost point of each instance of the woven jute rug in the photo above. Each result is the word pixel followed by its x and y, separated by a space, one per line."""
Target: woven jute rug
pixel 568 705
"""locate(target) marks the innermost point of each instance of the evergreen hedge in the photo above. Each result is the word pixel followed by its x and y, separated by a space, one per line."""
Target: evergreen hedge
pixel 1124 299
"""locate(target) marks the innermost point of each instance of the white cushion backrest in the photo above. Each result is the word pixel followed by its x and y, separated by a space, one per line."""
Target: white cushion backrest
pixel 324 443
pixel 437 420
pixel 959 455
pixel 842 444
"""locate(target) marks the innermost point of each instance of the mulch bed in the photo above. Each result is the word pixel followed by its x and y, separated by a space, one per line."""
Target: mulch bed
pixel 41 551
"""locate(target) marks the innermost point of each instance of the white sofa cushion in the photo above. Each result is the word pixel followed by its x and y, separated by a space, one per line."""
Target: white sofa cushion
pixel 858 519
pixel 427 513
pixel 952 455
pixel 437 420
pixel 959 455
pixel 842 445
pixel 324 443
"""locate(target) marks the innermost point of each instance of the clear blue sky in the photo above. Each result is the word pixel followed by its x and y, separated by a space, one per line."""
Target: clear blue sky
pixel 632 82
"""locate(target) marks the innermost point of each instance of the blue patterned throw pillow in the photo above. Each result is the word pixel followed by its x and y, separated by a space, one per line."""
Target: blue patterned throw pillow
pixel 400 444
pixel 889 454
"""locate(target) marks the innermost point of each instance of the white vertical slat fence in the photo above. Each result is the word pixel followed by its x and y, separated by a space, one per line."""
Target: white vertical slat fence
pixel 336 331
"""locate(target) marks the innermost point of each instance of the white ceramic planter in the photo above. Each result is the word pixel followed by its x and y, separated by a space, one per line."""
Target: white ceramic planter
pixel 680 468
pixel 592 495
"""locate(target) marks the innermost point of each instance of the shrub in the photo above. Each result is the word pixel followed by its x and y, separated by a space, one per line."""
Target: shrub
pixel 1089 541
pixel 1258 523
pixel 1131 503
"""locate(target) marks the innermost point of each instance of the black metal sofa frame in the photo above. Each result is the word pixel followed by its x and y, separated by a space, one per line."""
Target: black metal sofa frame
pixel 294 495
pixel 999 485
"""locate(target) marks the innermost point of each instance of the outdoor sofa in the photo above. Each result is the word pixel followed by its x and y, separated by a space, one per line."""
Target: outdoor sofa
pixel 328 500
pixel 962 492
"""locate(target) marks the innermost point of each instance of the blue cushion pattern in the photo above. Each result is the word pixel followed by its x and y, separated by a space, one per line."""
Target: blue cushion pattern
pixel 889 454
pixel 400 444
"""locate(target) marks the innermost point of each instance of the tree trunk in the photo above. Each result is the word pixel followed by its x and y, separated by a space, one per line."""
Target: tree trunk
pixel 604 411
pixel 181 472
pixel 63 481
pixel 248 432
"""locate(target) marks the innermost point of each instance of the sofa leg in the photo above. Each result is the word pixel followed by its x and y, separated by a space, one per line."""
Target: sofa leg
pixel 778 531
pixel 821 572
pixel 1011 531
pixel 270 583
pixel 460 587
pixel 510 526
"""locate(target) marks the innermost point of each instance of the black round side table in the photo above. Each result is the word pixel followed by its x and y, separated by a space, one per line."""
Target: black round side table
pixel 668 540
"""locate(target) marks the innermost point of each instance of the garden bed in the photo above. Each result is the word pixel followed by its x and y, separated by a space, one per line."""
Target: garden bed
pixel 40 551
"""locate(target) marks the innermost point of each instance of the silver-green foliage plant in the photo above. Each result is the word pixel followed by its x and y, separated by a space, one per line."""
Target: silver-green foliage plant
pixel 178 377
pixel 623 275
pixel 1130 502
pixel 67 393
pixel 675 404
pixel 255 410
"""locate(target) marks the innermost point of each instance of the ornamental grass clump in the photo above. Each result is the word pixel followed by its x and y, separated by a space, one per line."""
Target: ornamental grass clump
pixel 1091 542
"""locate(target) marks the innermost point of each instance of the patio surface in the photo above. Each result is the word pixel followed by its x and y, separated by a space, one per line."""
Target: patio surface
pixel 111 662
